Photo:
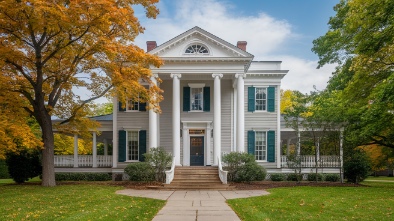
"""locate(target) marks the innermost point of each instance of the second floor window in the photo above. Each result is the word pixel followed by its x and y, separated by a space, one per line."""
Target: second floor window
pixel 261 99
pixel 196 99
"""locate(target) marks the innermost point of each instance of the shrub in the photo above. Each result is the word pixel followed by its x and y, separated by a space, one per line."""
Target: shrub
pixel 312 177
pixel 24 164
pixel 277 177
pixel 83 176
pixel 294 177
pixel 141 171
pixel 332 177
pixel 250 172
pixel 3 170
pixel 160 160
pixel 234 160
pixel 356 166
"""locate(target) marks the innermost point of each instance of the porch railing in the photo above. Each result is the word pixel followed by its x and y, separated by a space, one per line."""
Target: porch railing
pixel 83 160
pixel 328 161
pixel 170 173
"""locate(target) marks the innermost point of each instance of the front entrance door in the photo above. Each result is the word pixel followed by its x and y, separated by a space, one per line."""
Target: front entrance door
pixel 196 151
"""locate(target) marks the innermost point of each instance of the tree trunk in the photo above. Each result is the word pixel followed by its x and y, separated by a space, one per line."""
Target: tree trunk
pixel 48 164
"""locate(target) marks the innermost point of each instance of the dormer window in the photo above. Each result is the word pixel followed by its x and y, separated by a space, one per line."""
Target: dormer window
pixel 196 49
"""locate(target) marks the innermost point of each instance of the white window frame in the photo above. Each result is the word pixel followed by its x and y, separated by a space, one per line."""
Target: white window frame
pixel 196 86
pixel 264 108
pixel 196 53
pixel 128 158
pixel 263 146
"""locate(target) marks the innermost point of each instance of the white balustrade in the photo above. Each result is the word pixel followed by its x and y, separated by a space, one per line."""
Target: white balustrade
pixel 329 161
pixel 83 160
pixel 170 173
pixel 222 173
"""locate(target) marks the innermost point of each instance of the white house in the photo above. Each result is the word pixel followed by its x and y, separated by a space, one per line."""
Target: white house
pixel 217 100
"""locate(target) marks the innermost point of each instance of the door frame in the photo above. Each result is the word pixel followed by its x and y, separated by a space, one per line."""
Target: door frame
pixel 198 125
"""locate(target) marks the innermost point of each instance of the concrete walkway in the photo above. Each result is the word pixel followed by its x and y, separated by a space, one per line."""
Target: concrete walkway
pixel 194 205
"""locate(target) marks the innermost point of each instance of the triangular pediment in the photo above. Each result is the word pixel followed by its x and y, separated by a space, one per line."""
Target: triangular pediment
pixel 216 48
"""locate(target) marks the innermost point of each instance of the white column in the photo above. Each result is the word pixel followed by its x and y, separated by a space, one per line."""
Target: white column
pixel 186 147
pixel 153 120
pixel 217 118
pixel 240 112
pixel 75 150
pixel 278 134
pixel 235 118
pixel 115 148
pixel 176 117
pixel 94 150
pixel 318 150
pixel 208 136
pixel 105 147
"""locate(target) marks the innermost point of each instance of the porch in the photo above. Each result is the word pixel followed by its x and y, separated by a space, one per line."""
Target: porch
pixel 309 161
pixel 103 161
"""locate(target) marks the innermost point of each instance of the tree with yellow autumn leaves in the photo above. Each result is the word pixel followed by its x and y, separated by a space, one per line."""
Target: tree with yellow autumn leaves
pixel 49 47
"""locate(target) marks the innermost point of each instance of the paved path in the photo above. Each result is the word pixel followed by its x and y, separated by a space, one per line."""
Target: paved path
pixel 194 205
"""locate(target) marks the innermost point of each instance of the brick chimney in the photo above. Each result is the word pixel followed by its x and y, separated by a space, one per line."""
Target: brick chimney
pixel 242 45
pixel 150 45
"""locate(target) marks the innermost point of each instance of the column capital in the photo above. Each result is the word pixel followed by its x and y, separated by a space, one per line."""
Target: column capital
pixel 176 75
pixel 243 75
pixel 217 75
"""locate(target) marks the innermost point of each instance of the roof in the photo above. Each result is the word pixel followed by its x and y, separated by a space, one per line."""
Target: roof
pixel 106 117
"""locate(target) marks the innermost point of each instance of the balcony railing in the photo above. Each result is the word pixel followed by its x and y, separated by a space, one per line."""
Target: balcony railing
pixel 83 161
pixel 330 161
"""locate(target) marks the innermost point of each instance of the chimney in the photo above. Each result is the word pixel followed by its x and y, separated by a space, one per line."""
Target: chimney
pixel 242 45
pixel 150 45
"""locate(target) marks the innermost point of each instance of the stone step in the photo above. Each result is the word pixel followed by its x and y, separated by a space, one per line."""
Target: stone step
pixel 197 187
pixel 196 177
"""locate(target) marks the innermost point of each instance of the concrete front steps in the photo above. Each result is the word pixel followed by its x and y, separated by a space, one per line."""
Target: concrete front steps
pixel 197 178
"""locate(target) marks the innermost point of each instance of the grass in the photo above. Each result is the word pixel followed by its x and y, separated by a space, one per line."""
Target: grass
pixel 9 181
pixel 380 178
pixel 375 202
pixel 73 202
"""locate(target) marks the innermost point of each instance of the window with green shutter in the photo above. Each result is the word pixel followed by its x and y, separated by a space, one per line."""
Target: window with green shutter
pixel 186 99
pixel 251 99
pixel 251 142
pixel 120 107
pixel 122 146
pixel 142 145
pixel 271 146
pixel 207 99
pixel 271 99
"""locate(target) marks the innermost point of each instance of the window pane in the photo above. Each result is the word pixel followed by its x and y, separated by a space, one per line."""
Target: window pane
pixel 260 145
pixel 196 98
pixel 261 98
pixel 132 147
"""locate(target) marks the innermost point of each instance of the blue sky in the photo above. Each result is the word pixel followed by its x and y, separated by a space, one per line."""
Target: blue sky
pixel 274 29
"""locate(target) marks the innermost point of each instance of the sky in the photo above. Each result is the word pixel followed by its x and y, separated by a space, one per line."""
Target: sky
pixel 276 30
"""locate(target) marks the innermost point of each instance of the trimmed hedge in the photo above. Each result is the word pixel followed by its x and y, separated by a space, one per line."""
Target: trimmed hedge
pixel 294 177
pixel 312 177
pixel 141 171
pixel 332 177
pixel 278 177
pixel 4 170
pixel 83 176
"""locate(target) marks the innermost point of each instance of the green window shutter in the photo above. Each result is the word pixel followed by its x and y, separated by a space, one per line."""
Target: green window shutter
pixel 120 107
pixel 186 98
pixel 207 101
pixel 122 146
pixel 251 142
pixel 251 99
pixel 271 99
pixel 271 146
pixel 142 106
pixel 142 145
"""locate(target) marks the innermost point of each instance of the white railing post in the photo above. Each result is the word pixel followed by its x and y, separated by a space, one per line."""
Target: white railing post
pixel 170 173
pixel 222 173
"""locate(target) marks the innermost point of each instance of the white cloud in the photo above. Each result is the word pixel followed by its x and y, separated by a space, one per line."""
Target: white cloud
pixel 265 35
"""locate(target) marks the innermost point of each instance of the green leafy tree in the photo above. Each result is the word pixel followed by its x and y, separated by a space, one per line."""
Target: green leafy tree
pixel 360 40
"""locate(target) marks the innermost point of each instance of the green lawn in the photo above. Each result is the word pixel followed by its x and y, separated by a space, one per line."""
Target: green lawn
pixel 320 203
pixel 73 202
pixel 383 178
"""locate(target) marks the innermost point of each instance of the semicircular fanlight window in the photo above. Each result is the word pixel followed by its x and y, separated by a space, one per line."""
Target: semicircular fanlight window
pixel 196 49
